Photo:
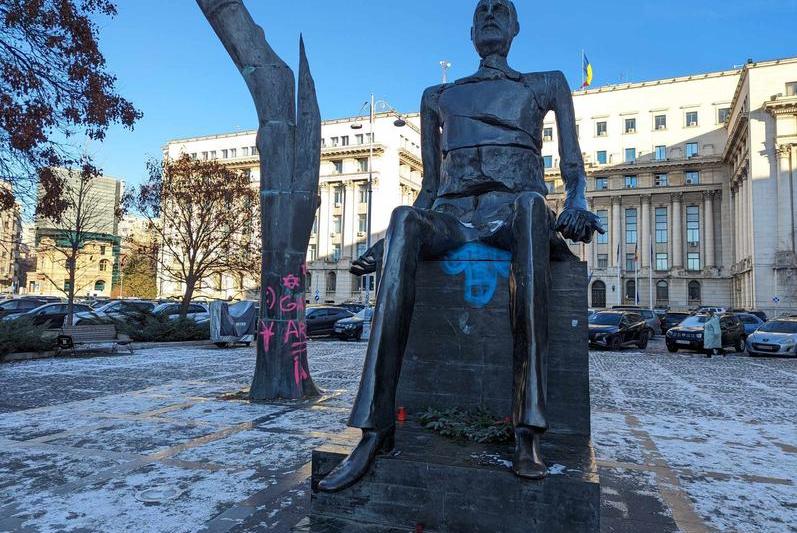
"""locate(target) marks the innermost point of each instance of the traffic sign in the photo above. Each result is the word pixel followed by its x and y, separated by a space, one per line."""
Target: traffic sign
pixel 317 295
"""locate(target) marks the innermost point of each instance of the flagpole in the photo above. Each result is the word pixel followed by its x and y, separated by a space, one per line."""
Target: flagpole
pixel 650 270
pixel 636 274
pixel 581 68
pixel 619 274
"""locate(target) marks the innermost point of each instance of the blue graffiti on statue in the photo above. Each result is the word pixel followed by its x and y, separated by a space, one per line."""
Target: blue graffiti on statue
pixel 482 266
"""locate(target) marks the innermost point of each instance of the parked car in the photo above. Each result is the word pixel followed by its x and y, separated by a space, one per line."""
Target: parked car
pixel 709 309
pixel 648 315
pixel 750 322
pixel 760 314
pixel 617 329
pixel 116 310
pixel 321 320
pixel 671 320
pixel 49 315
pixel 776 337
pixel 352 328
pixel 197 312
pixel 353 307
pixel 688 335
pixel 19 305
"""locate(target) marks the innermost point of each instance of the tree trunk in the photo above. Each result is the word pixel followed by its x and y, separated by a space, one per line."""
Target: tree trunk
pixel 190 287
pixel 70 294
pixel 290 158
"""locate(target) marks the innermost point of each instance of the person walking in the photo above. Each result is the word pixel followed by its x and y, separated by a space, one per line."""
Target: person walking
pixel 712 336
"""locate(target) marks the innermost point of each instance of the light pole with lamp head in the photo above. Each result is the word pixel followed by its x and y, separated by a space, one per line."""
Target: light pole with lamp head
pixel 399 123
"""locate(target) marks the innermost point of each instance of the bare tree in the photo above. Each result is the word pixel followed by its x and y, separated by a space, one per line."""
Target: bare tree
pixel 197 213
pixel 84 221
pixel 289 141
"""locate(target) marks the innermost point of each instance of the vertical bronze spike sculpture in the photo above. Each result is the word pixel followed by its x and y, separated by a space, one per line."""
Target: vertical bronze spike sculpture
pixel 289 142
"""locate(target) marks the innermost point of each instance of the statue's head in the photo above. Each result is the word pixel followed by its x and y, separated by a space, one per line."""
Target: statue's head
pixel 495 25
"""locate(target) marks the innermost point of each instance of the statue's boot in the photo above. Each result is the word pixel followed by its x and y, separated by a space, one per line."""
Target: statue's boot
pixel 527 461
pixel 357 464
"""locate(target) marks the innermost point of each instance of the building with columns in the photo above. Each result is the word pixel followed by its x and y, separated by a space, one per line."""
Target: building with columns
pixel 693 178
pixel 339 233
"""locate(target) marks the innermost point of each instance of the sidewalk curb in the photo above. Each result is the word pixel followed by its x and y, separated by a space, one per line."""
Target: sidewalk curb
pixel 33 356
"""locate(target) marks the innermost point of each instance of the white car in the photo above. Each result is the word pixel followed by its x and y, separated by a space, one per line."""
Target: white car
pixel 776 337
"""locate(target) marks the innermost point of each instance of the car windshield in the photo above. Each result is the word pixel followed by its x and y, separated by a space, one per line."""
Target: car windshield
pixel 692 321
pixel 779 326
pixel 365 314
pixel 606 319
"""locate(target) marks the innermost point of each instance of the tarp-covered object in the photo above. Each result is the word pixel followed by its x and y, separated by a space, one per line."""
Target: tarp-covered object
pixel 235 323
pixel 712 334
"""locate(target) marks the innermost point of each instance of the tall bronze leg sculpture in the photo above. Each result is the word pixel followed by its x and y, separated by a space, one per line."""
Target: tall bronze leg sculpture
pixel 412 234
pixel 530 284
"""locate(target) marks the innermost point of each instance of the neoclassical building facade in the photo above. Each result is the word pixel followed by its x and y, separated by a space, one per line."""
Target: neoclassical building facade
pixel 693 178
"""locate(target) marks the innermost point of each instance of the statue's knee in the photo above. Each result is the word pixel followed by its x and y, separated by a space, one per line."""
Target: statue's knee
pixel 531 202
pixel 404 217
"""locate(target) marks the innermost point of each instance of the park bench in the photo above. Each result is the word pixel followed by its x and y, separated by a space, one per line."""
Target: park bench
pixel 73 336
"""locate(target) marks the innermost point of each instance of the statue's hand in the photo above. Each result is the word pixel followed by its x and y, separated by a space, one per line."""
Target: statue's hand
pixel 367 263
pixel 579 225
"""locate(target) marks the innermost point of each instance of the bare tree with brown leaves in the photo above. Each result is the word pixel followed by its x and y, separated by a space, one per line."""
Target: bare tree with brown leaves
pixel 198 213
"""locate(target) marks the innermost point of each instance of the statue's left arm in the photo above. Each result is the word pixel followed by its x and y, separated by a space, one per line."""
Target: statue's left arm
pixel 576 222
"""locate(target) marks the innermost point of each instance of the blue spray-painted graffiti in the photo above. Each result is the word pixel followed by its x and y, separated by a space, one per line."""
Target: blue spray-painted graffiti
pixel 482 266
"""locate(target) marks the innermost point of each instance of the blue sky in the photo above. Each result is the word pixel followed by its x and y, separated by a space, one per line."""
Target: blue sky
pixel 171 65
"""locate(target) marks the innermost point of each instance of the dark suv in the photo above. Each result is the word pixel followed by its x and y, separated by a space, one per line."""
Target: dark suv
pixel 688 335
pixel 617 329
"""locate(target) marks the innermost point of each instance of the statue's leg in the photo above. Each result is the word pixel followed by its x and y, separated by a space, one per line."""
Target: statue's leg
pixel 530 284
pixel 412 234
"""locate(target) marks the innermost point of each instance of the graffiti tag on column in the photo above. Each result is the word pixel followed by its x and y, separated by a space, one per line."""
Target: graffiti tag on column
pixel 482 266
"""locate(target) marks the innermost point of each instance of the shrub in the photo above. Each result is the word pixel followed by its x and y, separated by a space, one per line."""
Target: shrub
pixel 476 426
pixel 151 328
pixel 21 335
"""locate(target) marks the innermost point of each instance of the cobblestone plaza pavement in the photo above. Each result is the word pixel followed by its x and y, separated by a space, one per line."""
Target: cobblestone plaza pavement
pixel 157 441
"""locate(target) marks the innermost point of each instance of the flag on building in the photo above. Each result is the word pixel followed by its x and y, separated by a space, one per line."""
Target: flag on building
pixel 587 72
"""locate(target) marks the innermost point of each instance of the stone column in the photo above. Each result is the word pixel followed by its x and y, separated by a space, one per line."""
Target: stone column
pixel 670 234
pixel 592 248
pixel 677 231
pixel 708 215
pixel 644 240
pixel 615 235
pixel 734 223
pixel 785 229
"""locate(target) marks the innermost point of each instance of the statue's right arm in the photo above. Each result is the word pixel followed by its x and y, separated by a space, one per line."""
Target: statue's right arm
pixel 430 147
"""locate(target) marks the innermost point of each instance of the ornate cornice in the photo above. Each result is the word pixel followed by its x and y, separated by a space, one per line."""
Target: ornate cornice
pixel 782 106
pixel 677 197
pixel 784 150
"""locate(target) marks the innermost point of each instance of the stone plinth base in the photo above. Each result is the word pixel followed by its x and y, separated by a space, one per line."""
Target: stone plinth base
pixel 460 487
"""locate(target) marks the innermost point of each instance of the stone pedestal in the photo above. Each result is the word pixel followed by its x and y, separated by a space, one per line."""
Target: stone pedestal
pixel 460 355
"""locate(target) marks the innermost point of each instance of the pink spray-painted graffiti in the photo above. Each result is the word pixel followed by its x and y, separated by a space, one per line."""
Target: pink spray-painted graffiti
pixel 293 328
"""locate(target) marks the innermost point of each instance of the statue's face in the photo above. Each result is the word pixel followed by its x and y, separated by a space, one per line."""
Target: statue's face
pixel 495 25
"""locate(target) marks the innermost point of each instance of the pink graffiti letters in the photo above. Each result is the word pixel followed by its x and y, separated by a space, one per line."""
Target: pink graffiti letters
pixel 291 282
pixel 267 332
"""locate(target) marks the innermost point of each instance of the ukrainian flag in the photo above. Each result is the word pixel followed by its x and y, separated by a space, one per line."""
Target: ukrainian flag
pixel 587 73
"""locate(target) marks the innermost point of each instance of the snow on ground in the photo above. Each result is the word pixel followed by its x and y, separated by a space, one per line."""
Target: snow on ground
pixel 683 442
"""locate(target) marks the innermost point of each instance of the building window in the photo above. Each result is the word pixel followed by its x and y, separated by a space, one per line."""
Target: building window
pixel 548 161
pixel 213 155
pixel 102 250
pixel 630 262
pixel 693 261
pixel 369 138
pixel 662 293
pixel 662 180
pixel 359 138
pixel 344 141
pixel 692 150
pixel 603 216
pixel 362 247
pixel 204 156
pixel 104 265
pixel 660 122
pixel 630 155
pixel 631 226
pixel 337 222
pixel 225 154
pixel 315 226
pixel 336 252
pixel 603 261
pixel 334 141
pixel 692 177
pixel 601 184
pixel 362 223
pixel 547 134
pixel 630 125
pixel 332 282
pixel 661 153
pixel 99 286
pixel 693 224
pixel 338 166
pixel 193 156
pixel 308 280
pixel 600 129
pixel 363 194
pixel 601 157
pixel 631 182
pixel 338 196
pixel 691 119
pixel 662 262
pixel 599 294
pixel 362 164
pixel 723 115
pixel 245 149
pixel 312 253
pixel 695 292
pixel 368 283
pixel 661 225
pixel 254 151
pixel 630 291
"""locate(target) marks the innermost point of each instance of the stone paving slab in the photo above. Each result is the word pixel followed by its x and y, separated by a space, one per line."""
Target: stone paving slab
pixel 145 442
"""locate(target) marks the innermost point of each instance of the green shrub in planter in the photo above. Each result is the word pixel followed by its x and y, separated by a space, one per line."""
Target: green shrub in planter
pixel 21 335
pixel 151 328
